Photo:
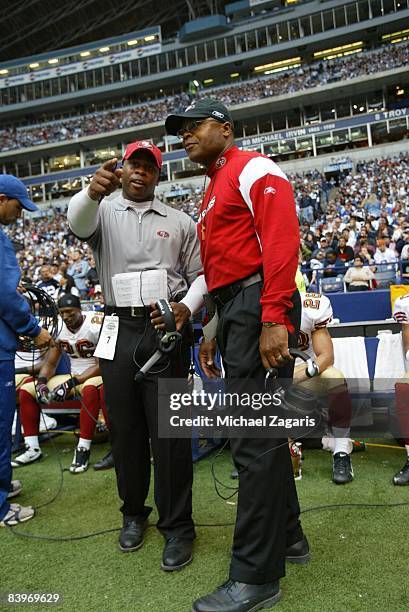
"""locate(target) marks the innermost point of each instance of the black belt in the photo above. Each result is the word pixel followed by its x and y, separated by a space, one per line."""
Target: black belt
pixel 224 294
pixel 127 311
pixel 137 311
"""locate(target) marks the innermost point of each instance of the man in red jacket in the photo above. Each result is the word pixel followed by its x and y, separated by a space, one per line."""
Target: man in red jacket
pixel 249 237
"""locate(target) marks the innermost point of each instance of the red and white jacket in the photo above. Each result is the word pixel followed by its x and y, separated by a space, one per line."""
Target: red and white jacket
pixel 248 223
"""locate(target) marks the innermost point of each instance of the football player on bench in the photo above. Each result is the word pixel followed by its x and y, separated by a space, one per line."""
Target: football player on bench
pixel 78 338
pixel 316 341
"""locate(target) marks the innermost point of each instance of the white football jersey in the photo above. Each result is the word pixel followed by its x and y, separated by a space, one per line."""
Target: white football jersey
pixel 316 313
pixel 401 309
pixel 80 345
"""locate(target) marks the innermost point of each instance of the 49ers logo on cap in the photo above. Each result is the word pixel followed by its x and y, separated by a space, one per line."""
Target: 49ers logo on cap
pixel 220 162
pixel 146 144
pixel 162 234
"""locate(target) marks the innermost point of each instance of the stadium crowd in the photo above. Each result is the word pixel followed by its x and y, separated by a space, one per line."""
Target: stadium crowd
pixel 303 77
pixel 359 219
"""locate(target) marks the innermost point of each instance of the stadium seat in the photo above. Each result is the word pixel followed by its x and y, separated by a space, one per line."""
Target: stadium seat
pixel 332 284
pixel 386 277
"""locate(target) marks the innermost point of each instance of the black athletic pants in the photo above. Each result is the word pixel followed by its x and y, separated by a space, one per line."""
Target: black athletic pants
pixel 268 510
pixel 133 414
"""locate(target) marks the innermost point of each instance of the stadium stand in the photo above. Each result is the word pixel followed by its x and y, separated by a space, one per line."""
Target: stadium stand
pixel 304 77
pixel 368 209
pixel 305 81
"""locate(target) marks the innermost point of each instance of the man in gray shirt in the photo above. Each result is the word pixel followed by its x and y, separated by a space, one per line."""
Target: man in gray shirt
pixel 133 231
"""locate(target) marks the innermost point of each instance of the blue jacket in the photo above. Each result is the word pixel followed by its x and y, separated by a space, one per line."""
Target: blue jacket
pixel 79 271
pixel 15 314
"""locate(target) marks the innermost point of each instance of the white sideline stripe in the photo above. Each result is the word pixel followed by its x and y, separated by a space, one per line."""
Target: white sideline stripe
pixel 254 170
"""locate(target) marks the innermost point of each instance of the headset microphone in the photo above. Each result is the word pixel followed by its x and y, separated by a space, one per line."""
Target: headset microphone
pixel 167 339
pixel 295 399
pixel 311 370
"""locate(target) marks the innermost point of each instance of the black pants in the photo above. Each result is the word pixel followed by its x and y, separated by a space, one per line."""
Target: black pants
pixel 133 413
pixel 268 510
pixel 358 288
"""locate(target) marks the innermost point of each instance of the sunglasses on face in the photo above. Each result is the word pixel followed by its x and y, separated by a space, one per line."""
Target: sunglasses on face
pixel 192 126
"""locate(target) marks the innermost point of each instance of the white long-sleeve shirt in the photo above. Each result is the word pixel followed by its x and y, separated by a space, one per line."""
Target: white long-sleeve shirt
pixel 127 237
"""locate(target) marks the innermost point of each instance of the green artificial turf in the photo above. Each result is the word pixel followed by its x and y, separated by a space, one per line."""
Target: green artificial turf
pixel 360 556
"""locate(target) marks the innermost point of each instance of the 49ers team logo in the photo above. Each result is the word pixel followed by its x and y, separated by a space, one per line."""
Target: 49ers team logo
pixel 220 162
pixel 162 234
pixel 269 190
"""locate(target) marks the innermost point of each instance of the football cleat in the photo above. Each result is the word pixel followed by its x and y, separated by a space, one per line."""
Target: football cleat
pixel 80 461
pixel 29 456
pixel 342 471
pixel 402 477
pixel 15 489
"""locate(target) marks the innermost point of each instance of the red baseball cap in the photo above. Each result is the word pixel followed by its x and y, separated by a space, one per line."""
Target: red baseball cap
pixel 144 145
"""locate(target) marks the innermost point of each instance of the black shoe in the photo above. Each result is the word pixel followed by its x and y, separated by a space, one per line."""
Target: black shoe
pixel 235 596
pixel 298 552
pixel 176 554
pixel 106 463
pixel 131 536
pixel 402 477
pixel 342 471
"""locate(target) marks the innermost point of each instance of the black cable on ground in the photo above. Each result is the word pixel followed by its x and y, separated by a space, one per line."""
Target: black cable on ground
pixel 49 538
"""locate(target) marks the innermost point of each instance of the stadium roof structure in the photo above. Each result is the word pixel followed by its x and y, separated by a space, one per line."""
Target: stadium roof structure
pixel 39 26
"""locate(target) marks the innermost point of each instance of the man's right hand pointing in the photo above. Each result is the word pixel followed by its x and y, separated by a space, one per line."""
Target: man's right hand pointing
pixel 105 180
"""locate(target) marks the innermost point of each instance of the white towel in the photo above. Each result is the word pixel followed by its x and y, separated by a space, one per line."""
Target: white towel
pixel 350 358
pixel 390 362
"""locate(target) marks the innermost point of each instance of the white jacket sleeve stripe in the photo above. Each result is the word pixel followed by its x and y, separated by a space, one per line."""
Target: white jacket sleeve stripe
pixel 254 170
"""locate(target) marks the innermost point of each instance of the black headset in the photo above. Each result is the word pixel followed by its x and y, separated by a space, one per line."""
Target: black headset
pixel 311 370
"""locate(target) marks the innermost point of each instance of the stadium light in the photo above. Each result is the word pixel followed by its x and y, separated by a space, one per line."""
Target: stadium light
pixel 234 75
pixel 132 42
pixel 53 61
pixel 34 65
pixel 281 65
pixel 85 53
pixel 149 38
pixel 208 81
pixel 4 71
pixel 397 36
pixel 339 51
pixel 104 49
pixel 281 69
pixel 196 83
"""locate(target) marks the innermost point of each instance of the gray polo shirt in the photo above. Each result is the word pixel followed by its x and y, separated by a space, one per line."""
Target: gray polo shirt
pixel 127 240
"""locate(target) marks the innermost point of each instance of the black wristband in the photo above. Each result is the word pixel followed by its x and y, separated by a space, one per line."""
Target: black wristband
pixel 72 382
